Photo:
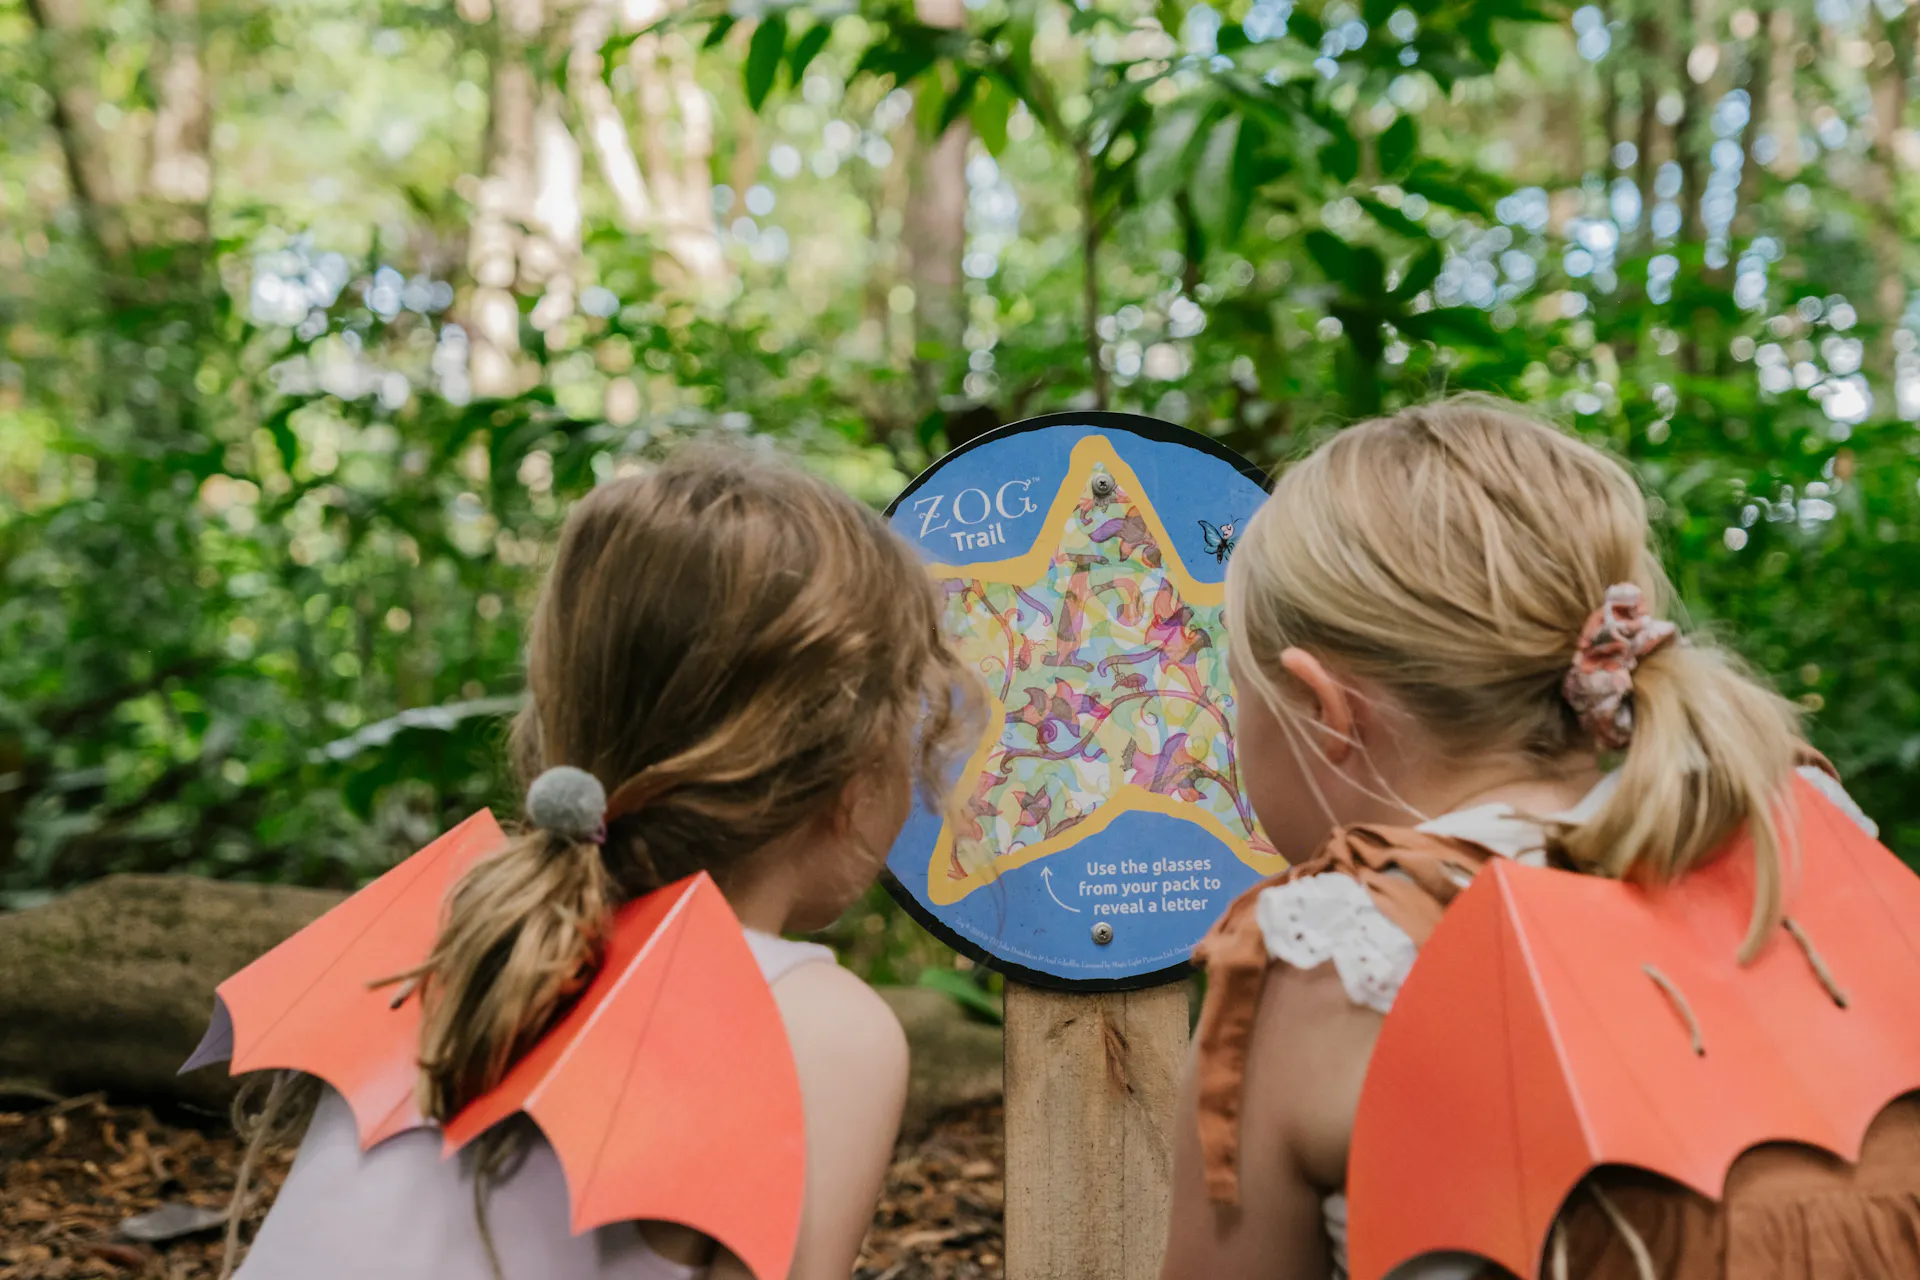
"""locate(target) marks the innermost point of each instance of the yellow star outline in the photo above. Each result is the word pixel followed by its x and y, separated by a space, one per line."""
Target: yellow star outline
pixel 1091 453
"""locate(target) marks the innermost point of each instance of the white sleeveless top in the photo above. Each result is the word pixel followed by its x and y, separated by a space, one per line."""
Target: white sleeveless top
pixel 401 1212
pixel 1332 918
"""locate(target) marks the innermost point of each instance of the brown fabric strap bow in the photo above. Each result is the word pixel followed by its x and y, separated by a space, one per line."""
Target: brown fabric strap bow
pixel 1411 876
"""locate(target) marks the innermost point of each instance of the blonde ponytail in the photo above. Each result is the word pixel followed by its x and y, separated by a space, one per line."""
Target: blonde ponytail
pixel 1711 749
pixel 1453 554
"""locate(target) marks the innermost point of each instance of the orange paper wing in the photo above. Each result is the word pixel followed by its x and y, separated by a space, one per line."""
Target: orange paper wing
pixel 310 1004
pixel 1533 1041
pixel 668 1091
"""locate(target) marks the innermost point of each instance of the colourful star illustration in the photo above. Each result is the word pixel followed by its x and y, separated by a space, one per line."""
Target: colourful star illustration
pixel 1106 660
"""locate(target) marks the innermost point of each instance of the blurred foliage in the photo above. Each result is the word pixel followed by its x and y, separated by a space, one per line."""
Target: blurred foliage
pixel 266 559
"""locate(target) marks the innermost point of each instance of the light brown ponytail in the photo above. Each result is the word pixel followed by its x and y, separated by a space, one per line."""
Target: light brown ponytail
pixel 724 643
pixel 524 933
pixel 1452 555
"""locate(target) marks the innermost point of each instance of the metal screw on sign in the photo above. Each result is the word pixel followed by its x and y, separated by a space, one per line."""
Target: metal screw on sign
pixel 1103 933
pixel 1102 488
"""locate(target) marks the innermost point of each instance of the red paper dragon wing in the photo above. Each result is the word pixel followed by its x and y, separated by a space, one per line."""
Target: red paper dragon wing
pixel 1555 1023
pixel 668 1091
pixel 310 1004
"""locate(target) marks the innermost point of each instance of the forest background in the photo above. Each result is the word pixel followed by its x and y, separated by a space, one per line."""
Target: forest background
pixel 315 314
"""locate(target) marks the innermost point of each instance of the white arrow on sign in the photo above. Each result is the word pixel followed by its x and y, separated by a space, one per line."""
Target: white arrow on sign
pixel 1046 874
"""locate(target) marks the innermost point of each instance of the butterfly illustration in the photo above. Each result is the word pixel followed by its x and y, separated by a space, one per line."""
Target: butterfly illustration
pixel 1219 539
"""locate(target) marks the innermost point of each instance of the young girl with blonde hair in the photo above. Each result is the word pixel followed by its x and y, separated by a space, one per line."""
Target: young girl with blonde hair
pixel 733 668
pixel 1448 635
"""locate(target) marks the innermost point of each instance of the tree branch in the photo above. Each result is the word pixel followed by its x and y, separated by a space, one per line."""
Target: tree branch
pixel 1090 272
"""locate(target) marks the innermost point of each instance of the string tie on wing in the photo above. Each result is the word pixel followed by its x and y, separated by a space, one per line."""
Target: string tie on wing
pixel 1816 962
pixel 1680 1006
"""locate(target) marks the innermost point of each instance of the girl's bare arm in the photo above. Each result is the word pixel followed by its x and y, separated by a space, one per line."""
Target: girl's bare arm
pixel 1304 1067
pixel 852 1059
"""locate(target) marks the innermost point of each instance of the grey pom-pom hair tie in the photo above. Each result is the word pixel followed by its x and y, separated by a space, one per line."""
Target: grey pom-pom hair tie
pixel 570 803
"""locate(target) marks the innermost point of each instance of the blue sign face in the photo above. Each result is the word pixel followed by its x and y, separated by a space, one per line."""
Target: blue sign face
pixel 1099 827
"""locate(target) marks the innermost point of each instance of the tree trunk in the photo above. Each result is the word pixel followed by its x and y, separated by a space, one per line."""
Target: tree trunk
pixel 695 241
pixel 1889 118
pixel 1614 132
pixel 1689 130
pixel 1646 41
pixel 1759 97
pixel 935 228
pixel 1783 111
pixel 552 244
pixel 70 73
pixel 111 986
pixel 1090 278
pixel 504 204
pixel 606 131
pixel 181 172
pixel 682 175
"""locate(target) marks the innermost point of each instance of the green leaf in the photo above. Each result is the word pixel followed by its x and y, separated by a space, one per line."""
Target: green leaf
pixel 904 53
pixel 964 991
pixel 930 105
pixel 1435 183
pixel 1392 219
pixel 722 25
pixel 1340 157
pixel 957 102
pixel 1369 279
pixel 1166 160
pixel 1224 180
pixel 281 427
pixel 992 107
pixel 1333 255
pixel 930 428
pixel 1421 273
pixel 763 57
pixel 807 48
pixel 1085 20
pixel 1396 145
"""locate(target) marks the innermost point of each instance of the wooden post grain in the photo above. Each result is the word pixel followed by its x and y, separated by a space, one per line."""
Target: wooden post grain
pixel 1091 1083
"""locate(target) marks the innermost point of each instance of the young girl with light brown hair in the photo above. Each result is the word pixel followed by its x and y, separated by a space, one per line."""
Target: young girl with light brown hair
pixel 1449 644
pixel 739 669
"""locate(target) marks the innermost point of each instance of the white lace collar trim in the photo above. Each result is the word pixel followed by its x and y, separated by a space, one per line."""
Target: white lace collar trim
pixel 1502 829
pixel 1332 917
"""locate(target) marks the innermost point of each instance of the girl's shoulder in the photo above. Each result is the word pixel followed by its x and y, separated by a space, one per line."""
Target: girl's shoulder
pixel 1332 917
pixel 779 956
pixel 846 1039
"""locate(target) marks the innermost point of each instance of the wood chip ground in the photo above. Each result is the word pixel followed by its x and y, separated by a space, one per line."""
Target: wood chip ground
pixel 72 1172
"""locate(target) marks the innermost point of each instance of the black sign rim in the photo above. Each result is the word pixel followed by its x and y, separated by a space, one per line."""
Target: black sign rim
pixel 1135 424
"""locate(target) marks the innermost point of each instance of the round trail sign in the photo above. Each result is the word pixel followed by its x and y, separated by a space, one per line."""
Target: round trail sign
pixel 1098 828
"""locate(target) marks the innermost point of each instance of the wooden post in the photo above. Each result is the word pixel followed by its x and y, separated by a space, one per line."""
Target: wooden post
pixel 1091 1083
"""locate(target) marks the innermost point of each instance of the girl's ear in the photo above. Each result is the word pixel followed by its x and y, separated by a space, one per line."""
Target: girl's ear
pixel 1333 705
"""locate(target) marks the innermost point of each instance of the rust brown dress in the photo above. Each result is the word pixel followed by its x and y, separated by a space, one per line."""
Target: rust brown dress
pixel 1789 1213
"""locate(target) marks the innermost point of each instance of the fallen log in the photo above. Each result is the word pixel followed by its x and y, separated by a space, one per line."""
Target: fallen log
pixel 108 988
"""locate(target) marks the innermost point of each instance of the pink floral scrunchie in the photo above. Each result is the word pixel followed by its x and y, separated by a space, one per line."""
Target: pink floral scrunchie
pixel 1599 685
